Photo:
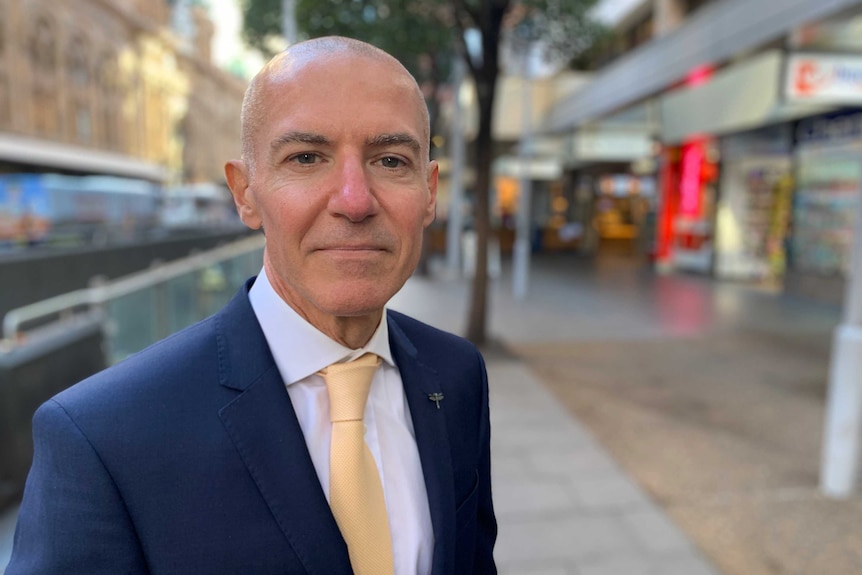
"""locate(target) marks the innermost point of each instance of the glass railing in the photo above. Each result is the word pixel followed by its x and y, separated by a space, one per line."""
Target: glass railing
pixel 142 308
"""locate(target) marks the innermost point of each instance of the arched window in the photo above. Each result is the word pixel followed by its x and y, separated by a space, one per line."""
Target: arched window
pixel 79 120
pixel 109 101
pixel 79 67
pixel 42 47
pixel 43 53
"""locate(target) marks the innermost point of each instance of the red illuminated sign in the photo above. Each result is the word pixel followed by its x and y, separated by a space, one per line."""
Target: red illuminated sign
pixel 690 181
pixel 699 75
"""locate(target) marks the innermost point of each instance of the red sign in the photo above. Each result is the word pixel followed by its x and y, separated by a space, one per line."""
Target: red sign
pixel 692 176
pixel 824 78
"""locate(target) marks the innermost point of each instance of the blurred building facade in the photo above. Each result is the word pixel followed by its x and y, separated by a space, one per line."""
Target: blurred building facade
pixel 118 87
pixel 541 163
pixel 723 137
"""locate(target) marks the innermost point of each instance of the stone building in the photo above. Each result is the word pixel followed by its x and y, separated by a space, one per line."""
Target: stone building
pixel 112 87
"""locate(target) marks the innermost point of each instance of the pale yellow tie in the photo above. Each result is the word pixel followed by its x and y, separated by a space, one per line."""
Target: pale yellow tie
pixel 355 491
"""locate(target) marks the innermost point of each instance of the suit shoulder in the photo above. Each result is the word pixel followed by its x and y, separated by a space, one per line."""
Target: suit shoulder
pixel 174 359
pixel 430 339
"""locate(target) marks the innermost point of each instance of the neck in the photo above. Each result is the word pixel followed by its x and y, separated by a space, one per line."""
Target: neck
pixel 352 332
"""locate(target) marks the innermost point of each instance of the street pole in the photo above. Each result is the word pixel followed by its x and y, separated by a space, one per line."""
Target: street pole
pixel 521 255
pixel 843 427
pixel 456 176
pixel 288 21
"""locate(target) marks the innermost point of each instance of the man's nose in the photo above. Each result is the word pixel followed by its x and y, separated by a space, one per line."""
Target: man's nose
pixel 353 198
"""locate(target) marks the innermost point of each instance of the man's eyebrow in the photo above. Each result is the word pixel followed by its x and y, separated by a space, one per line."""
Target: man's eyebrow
pixel 299 138
pixel 397 139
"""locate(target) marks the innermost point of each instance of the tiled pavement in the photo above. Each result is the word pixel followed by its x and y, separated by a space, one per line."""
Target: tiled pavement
pixel 564 506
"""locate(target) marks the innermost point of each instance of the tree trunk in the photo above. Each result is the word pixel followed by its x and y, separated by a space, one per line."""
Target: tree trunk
pixel 488 18
pixel 423 268
pixel 477 322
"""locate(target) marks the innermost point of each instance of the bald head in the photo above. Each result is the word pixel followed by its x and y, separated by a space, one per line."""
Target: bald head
pixel 282 67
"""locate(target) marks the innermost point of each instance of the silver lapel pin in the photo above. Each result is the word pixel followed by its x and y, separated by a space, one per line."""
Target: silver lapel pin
pixel 436 398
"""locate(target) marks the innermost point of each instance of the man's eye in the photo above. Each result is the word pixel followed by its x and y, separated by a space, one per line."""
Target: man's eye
pixel 391 162
pixel 305 158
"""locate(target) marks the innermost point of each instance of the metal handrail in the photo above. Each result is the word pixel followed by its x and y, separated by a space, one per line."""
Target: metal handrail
pixel 99 294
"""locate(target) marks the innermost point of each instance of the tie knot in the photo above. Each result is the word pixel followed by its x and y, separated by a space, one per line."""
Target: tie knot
pixel 348 385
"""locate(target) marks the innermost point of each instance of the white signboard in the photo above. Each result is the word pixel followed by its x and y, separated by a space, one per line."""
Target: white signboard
pixel 819 79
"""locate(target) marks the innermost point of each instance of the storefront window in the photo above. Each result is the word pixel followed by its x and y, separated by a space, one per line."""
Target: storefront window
pixel 754 207
pixel 829 182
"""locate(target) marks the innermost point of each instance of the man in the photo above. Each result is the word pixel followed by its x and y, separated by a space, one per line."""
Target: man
pixel 209 452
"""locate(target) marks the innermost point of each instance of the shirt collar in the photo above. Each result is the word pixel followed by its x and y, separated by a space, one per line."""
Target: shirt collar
pixel 299 348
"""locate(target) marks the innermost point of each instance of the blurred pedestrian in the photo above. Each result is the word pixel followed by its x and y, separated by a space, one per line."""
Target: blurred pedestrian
pixel 245 444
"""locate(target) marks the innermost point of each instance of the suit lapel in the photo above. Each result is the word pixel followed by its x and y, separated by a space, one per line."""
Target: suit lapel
pixel 432 440
pixel 264 428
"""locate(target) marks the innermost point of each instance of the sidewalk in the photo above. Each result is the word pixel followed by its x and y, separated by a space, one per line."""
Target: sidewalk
pixel 563 505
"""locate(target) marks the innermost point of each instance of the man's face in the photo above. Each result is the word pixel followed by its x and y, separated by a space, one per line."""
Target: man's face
pixel 342 184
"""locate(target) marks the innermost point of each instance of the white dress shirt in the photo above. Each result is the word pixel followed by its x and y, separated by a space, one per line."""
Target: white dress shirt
pixel 300 351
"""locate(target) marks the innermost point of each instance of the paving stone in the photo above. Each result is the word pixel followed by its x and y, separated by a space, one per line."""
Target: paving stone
pixel 678 563
pixel 560 539
pixel 582 462
pixel 683 563
pixel 537 436
pixel 655 531
pixel 612 491
pixel 630 564
pixel 508 465
pixel 535 570
pixel 528 495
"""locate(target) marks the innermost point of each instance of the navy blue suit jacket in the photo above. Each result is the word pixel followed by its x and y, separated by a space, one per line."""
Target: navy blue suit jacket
pixel 188 458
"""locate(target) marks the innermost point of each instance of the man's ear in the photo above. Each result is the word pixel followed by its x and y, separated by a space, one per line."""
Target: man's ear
pixel 237 176
pixel 431 206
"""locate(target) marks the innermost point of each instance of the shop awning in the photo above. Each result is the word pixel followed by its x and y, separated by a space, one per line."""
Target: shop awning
pixel 713 35
pixel 744 96
pixel 53 155
pixel 538 169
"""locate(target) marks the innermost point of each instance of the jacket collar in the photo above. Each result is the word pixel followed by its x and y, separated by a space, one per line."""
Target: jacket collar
pixel 263 426
pixel 432 439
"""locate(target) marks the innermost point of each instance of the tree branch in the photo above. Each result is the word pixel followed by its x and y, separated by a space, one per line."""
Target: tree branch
pixel 462 13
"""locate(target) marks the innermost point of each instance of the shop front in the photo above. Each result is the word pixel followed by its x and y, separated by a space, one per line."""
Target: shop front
pixel 726 179
pixel 754 206
pixel 828 157
pixel 686 212
pixel 612 176
pixel 622 215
